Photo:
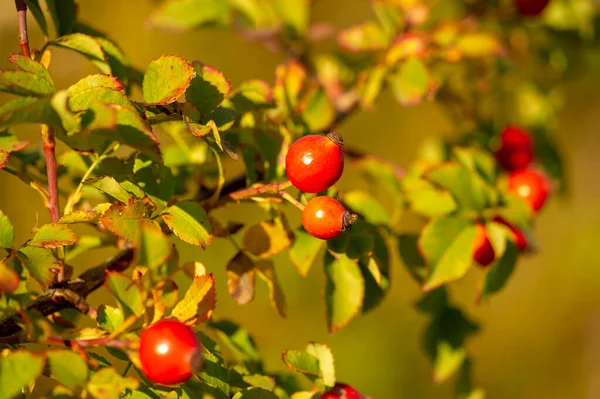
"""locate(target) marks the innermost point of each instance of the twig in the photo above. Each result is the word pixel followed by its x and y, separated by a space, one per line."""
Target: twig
pixel 289 198
pixel 22 18
pixel 51 167
pixel 71 294
pixel 257 190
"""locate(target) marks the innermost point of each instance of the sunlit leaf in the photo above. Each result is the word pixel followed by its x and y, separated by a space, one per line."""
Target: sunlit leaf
pixel 207 89
pixel 266 239
pixel 109 318
pixel 17 371
pixel 107 383
pixel 124 219
pixel 40 262
pixel 69 368
pixel 189 221
pixel 364 37
pixel 128 294
pixel 166 79
pixel 153 247
pixel 412 82
pixel 53 235
pixel 266 271
pixel 188 14
pixel 7 232
pixel 199 301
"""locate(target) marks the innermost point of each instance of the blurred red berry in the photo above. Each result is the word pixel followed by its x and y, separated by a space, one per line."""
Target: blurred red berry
pixel 483 252
pixel 516 149
pixel 341 391
pixel 531 8
pixel 531 185
pixel 518 236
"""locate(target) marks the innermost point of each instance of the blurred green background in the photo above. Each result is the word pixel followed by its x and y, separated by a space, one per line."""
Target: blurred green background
pixel 540 336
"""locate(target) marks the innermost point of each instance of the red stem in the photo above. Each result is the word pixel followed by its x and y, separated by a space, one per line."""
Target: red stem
pixel 52 205
pixel 22 18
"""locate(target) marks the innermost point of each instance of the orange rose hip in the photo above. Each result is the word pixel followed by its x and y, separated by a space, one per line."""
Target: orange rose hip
pixel 325 218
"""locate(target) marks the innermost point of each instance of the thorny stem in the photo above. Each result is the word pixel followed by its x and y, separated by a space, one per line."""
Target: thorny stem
pixel 51 168
pixel 22 18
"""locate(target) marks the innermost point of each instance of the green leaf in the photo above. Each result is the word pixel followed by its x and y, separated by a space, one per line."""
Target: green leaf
pixel 241 278
pixel 433 302
pixel 267 238
pixel 366 37
pixel 86 46
pixel 344 291
pixel 63 14
pixel 53 235
pixel 304 251
pixel 40 262
pixel 316 109
pixel 412 82
pixel 198 302
pixel 455 261
pixel 479 161
pixel 109 185
pixel 153 247
pixel 109 318
pixel 24 83
pixel 9 142
pixel 86 215
pixel 371 85
pixel 408 246
pixel 128 294
pixel 255 393
pixel 107 383
pixel 38 14
pixel 29 110
pixel 166 79
pixel 468 188
pixel 498 273
pixel 28 65
pixel 207 90
pixel 289 79
pixel 375 269
pixel 326 362
pixel 9 279
pixel 367 206
pixel 3 159
pixel 427 200
pixel 266 271
pixel 302 362
pixel 444 341
pixel 295 13
pixel 252 94
pixel 7 232
pixel 189 221
pixel 187 14
pixel 124 219
pixel 17 371
pixel 68 368
pixel 239 341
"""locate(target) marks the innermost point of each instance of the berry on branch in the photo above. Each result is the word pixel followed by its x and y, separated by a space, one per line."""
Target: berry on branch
pixel 314 163
pixel 531 185
pixel 325 218
pixel 519 237
pixel 169 352
pixel 516 149
pixel 483 252
pixel 531 8
pixel 341 391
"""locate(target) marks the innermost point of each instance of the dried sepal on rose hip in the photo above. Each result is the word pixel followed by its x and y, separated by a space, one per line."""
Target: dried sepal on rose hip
pixel 342 391
pixel 483 251
pixel 531 185
pixel 314 163
pixel 170 352
pixel 325 218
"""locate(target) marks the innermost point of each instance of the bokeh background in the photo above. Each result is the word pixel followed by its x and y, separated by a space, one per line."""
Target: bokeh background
pixel 540 336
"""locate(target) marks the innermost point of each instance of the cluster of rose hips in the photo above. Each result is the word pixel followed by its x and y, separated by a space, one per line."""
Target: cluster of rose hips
pixel 313 164
pixel 515 156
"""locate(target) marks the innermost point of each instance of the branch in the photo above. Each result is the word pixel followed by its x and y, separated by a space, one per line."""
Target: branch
pixel 51 167
pixel 22 18
pixel 70 294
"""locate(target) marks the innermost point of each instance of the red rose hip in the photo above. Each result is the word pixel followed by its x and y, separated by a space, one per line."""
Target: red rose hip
pixel 531 185
pixel 516 149
pixel 325 218
pixel 314 163
pixel 169 352
pixel 518 236
pixel 483 252
pixel 341 391
pixel 531 8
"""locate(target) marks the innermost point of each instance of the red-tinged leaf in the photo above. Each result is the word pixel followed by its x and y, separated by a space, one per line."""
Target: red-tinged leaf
pixel 366 37
pixel 28 65
pixel 266 271
pixel 166 79
pixel 128 294
pixel 53 235
pixel 289 79
pixel 198 303
pixel 207 89
pixel 10 143
pixel 41 263
pixel 124 219
pixel 3 159
pixel 405 46
pixel 9 279
pixel 190 222
pixel 95 81
pixel 241 278
pixel 24 83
